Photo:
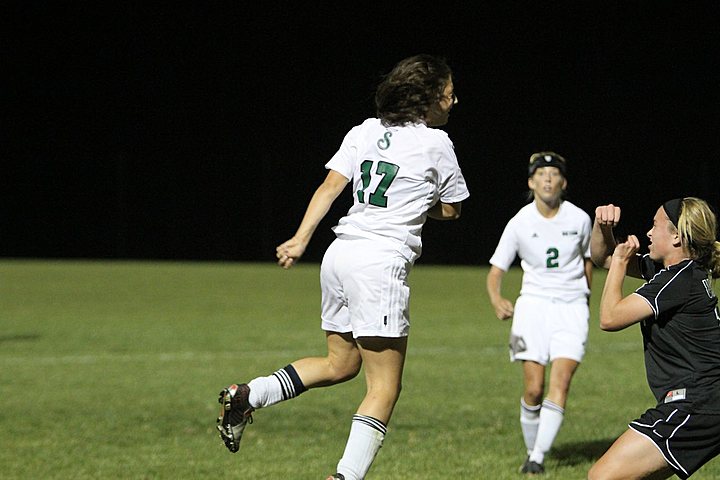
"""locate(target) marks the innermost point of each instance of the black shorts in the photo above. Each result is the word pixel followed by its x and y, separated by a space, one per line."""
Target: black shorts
pixel 687 440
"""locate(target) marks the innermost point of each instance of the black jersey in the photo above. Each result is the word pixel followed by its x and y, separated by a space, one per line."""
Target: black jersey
pixel 682 339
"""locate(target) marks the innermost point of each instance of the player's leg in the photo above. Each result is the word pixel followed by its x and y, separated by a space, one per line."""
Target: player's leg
pixel 530 403
pixel 378 297
pixel 239 401
pixel 569 326
pixel 383 359
pixel 529 342
pixel 343 357
pixel 561 374
pixel 530 410
pixel 632 456
pixel 341 364
pixel 553 407
pixel 534 382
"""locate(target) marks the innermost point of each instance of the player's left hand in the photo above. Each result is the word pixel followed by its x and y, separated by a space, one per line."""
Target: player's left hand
pixel 626 250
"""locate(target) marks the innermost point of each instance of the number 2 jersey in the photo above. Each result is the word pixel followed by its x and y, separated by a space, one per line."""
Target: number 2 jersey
pixel 397 174
pixel 552 252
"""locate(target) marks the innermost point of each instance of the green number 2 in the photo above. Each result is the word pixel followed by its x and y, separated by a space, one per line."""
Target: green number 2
pixel 388 171
pixel 552 256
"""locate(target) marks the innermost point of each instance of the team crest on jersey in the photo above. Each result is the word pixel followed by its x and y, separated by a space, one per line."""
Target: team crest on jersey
pixel 384 143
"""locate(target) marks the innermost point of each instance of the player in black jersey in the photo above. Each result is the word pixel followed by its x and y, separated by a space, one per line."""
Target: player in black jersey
pixel 680 323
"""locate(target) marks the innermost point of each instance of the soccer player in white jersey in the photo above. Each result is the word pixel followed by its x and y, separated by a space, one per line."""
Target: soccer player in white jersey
pixel 551 236
pixel 402 170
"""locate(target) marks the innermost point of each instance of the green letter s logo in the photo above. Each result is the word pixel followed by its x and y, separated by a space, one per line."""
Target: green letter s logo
pixel 384 143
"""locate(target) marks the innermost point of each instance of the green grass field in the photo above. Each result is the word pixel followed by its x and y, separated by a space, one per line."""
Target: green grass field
pixel 111 370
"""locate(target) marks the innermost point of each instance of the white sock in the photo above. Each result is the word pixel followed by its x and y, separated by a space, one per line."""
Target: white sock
pixel 366 438
pixel 551 417
pixel 529 421
pixel 281 385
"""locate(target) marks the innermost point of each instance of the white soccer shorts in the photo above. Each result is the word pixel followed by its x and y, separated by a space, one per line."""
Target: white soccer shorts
pixel 545 329
pixel 364 289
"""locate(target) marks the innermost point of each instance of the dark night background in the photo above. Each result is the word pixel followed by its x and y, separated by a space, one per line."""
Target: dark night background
pixel 133 130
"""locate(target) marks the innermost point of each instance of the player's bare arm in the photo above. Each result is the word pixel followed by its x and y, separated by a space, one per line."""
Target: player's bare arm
pixel 289 252
pixel 588 272
pixel 603 242
pixel 503 307
pixel 617 312
pixel 445 211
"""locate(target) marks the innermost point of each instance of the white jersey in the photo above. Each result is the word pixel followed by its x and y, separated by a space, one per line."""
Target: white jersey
pixel 397 174
pixel 552 251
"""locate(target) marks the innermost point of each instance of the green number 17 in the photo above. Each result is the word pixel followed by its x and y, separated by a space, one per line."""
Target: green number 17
pixel 388 171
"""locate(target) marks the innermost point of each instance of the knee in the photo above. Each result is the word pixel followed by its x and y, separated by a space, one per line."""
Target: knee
pixel 344 370
pixel 534 394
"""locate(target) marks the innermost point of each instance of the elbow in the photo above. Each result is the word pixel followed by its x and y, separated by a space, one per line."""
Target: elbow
pixel 608 323
pixel 453 211
pixel 445 211
pixel 605 326
pixel 598 260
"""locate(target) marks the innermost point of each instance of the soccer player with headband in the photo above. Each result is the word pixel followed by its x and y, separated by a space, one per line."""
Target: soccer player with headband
pixel 551 236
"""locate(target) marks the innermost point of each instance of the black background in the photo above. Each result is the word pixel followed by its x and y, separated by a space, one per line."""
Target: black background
pixel 162 131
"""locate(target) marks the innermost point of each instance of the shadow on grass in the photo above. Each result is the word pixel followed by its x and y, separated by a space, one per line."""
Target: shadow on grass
pixel 21 337
pixel 581 452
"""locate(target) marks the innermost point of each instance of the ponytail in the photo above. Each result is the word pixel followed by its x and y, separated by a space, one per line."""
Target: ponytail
pixel 714 262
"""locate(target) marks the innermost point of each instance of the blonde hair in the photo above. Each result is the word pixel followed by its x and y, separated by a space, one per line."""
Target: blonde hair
pixel 697 227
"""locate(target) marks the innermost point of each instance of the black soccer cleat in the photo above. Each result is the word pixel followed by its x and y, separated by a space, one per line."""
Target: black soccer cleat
pixel 336 476
pixel 532 468
pixel 235 414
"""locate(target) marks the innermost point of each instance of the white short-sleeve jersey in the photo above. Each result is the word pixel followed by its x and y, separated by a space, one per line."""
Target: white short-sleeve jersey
pixel 552 251
pixel 397 174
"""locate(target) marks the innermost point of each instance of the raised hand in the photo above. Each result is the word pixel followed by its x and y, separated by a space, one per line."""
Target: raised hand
pixel 607 215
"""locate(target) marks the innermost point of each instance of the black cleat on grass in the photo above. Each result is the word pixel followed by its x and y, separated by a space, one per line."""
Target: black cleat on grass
pixel 235 414
pixel 532 468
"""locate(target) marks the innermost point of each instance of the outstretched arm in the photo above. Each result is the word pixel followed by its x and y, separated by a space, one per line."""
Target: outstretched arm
pixel 289 252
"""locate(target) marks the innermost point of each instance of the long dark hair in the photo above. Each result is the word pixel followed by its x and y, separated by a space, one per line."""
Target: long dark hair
pixel 406 93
